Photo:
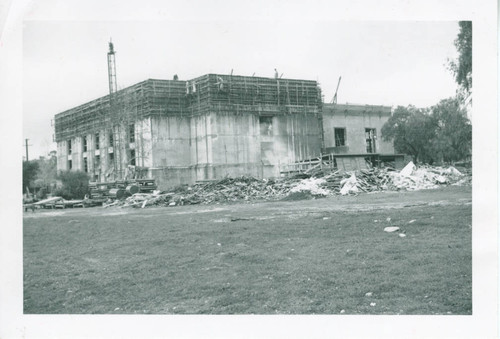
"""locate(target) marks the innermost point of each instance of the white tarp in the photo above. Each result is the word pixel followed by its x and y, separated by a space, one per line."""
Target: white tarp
pixel 312 185
pixel 349 185
pixel 408 169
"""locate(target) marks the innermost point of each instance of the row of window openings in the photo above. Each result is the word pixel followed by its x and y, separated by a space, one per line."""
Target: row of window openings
pixel 370 137
pixel 97 161
pixel 131 134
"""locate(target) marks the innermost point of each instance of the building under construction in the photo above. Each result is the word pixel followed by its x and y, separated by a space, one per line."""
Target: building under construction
pixel 215 125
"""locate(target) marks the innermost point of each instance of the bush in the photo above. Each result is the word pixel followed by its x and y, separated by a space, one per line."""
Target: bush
pixel 75 184
pixel 30 170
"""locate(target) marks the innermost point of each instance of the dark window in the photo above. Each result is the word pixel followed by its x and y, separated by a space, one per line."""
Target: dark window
pixel 69 146
pixel 339 134
pixel 266 125
pixel 70 164
pixel 97 141
pixel 97 161
pixel 131 132
pixel 110 136
pixel 111 157
pixel 85 165
pixel 85 144
pixel 370 136
pixel 132 157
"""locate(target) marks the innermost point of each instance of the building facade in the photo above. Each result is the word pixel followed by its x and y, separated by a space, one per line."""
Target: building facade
pixel 180 132
pixel 186 131
pixel 355 129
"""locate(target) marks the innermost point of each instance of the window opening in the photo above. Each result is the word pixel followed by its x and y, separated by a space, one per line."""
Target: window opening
pixel 132 157
pixel 111 141
pixel 370 136
pixel 266 125
pixel 131 131
pixel 339 134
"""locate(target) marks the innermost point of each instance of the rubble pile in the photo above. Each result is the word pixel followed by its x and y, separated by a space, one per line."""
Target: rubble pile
pixel 318 184
pixel 412 178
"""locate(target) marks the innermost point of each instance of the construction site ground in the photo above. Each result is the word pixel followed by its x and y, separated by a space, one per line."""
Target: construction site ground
pixel 321 256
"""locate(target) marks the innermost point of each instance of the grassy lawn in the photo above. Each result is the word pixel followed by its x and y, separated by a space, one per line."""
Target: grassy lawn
pixel 285 258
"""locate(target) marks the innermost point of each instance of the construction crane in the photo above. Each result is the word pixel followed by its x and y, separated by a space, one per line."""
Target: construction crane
pixel 111 69
pixel 334 100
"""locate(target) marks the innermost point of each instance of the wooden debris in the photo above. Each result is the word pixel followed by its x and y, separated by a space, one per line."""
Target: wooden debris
pixel 245 188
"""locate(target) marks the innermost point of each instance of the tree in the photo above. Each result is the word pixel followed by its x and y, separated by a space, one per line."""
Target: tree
pixel 47 174
pixel 30 170
pixel 442 133
pixel 75 184
pixel 462 68
pixel 453 135
pixel 411 129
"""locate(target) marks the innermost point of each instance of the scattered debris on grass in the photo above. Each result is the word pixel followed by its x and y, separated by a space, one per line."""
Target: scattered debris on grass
pixel 391 229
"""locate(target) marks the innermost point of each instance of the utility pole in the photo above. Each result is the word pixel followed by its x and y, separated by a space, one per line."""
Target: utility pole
pixel 26 145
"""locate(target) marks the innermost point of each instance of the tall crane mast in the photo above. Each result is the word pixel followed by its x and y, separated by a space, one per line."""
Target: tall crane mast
pixel 112 69
pixel 334 100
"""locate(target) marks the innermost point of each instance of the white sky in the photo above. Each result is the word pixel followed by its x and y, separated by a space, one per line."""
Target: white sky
pixel 66 66
pixel 381 62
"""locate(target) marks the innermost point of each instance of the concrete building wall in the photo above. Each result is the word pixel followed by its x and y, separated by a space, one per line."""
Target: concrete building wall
pixel 356 119
pixel 62 156
pixel 201 139
pixel 143 143
pixel 170 141
pixel 104 158
pixel 258 145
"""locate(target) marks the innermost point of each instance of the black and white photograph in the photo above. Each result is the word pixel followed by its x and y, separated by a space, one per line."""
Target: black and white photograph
pixel 193 168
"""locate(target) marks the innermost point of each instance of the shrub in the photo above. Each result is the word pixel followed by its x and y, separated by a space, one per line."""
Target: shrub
pixel 75 184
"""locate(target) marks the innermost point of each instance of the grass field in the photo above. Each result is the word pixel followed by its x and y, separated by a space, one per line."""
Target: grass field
pixel 325 256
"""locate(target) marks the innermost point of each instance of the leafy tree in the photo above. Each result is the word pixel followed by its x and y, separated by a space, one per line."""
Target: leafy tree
pixel 30 170
pixel 442 133
pixel 462 68
pixel 410 129
pixel 75 184
pixel 453 135
pixel 47 173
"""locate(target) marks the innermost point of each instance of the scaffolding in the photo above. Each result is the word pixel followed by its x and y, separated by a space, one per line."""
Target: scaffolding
pixel 229 94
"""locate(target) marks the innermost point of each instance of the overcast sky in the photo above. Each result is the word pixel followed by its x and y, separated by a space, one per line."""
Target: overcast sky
pixel 381 62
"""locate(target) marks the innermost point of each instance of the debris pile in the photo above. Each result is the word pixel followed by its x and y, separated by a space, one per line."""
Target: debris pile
pixel 311 185
pixel 425 177
pixel 318 184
